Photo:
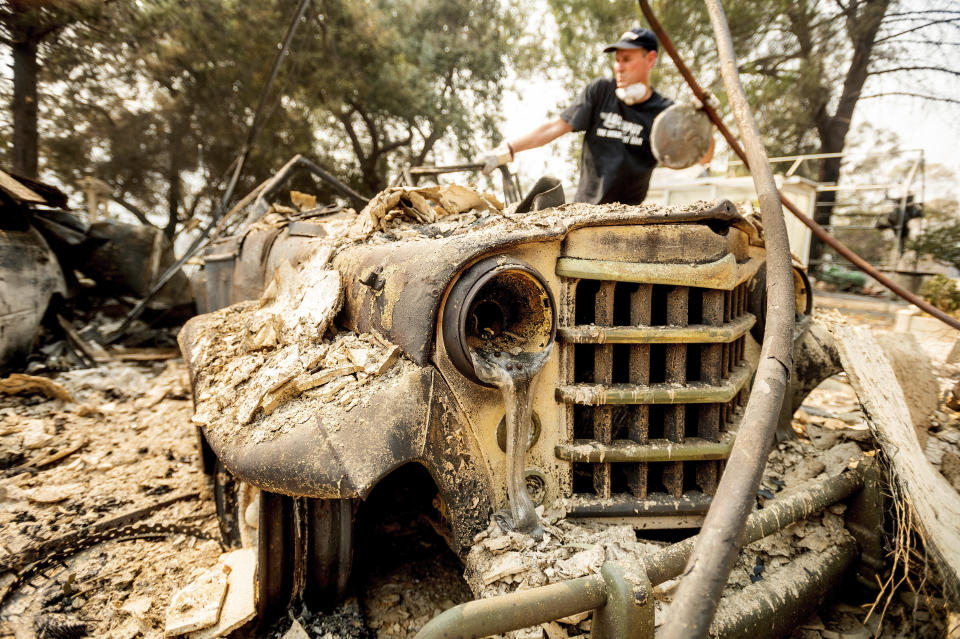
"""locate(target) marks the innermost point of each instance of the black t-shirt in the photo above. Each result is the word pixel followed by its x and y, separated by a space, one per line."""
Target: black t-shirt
pixel 616 161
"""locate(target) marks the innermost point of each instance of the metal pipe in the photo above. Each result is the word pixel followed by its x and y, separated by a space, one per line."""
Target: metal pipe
pixel 498 615
pixel 719 540
pixel 774 607
pixel 502 614
pixel 669 562
pixel 818 230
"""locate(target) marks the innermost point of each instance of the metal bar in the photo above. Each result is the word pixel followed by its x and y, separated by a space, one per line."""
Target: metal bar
pixel 774 607
pixel 857 187
pixel 813 497
pixel 440 170
pixel 724 273
pixel 708 426
pixel 692 334
pixel 793 167
pixel 603 374
pixel 675 415
pixel 790 158
pixel 498 615
pixel 699 591
pixel 690 393
pixel 654 450
pixel 641 309
pixel 655 505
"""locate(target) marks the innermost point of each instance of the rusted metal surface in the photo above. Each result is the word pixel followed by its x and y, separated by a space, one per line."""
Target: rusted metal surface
pixel 680 136
pixel 250 272
pixel 774 607
pixel 424 268
pixel 639 374
pixel 675 415
pixel 521 609
pixel 724 273
pixel 655 450
pixel 492 300
pixel 625 505
pixel 621 600
pixel 699 591
pixel 31 277
pixel 691 334
pixel 670 562
pixel 663 243
pixel 629 611
pixel 708 426
pixel 864 519
pixel 603 374
pixel 690 393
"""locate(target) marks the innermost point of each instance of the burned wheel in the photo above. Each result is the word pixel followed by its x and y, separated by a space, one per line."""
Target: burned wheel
pixel 305 550
pixel 233 499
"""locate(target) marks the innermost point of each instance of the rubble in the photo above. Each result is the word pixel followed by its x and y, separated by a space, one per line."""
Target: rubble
pixel 19 384
pixel 238 606
pixel 198 604
pixel 106 474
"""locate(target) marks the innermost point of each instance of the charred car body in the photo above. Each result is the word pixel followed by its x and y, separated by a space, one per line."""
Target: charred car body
pixel 656 314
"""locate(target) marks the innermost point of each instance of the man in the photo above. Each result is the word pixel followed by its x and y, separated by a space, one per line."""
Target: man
pixel 616 114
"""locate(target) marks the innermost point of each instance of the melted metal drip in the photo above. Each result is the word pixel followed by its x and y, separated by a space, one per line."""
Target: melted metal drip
pixel 515 376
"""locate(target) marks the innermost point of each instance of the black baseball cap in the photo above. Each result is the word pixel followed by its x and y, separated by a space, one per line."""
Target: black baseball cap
pixel 636 38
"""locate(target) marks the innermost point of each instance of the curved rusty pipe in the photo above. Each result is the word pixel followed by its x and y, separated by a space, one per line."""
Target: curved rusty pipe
pixel 719 541
pixel 817 230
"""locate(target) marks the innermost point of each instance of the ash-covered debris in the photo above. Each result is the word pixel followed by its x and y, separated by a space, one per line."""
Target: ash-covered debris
pixel 101 452
pixel 250 358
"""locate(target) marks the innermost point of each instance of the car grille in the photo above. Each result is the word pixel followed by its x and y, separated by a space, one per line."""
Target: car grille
pixel 654 378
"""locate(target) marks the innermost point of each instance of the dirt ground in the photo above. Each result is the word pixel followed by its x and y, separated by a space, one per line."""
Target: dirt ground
pixel 105 514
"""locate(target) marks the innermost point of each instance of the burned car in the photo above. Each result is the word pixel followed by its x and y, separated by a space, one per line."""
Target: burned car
pixel 594 356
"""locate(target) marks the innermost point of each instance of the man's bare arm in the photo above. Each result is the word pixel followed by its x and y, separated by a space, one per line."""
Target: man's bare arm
pixel 543 134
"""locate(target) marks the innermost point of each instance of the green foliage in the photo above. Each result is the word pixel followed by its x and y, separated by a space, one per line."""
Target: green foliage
pixel 940 242
pixel 942 292
pixel 156 97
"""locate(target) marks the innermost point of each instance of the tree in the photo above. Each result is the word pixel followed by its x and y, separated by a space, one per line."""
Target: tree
pixel 940 236
pixel 24 27
pixel 156 97
pixel 805 63
pixel 392 80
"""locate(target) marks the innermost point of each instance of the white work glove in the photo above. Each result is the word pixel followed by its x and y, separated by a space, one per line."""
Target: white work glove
pixel 497 157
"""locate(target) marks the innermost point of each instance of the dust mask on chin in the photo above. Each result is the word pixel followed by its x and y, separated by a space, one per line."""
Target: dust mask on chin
pixel 632 93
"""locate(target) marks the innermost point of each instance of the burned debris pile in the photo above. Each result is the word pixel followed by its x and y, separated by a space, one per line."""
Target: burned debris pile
pixel 70 283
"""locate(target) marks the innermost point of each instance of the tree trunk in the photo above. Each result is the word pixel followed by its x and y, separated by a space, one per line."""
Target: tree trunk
pixel 862 30
pixel 24 107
